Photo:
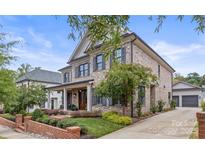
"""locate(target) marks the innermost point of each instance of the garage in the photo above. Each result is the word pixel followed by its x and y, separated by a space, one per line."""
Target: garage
pixel 190 101
pixel 176 99
pixel 186 94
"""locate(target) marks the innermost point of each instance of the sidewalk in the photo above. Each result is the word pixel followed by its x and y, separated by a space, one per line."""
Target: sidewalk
pixel 9 133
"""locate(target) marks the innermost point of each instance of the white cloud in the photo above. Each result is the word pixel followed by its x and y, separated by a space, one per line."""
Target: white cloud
pixel 40 39
pixel 174 52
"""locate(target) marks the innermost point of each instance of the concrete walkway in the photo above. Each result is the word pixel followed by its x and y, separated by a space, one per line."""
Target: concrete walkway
pixel 9 133
pixel 176 124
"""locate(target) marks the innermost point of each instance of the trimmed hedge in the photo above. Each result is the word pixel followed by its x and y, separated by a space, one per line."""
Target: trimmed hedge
pixel 116 118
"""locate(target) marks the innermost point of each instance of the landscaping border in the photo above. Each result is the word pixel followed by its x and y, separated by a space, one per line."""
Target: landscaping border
pixel 51 131
pixel 7 123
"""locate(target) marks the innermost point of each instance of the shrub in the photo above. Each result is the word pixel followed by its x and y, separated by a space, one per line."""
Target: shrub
pixel 9 117
pixel 65 123
pixel 173 104
pixel 53 122
pixel 105 115
pixel 160 105
pixel 153 108
pixel 139 109
pixel 37 114
pixel 72 107
pixel 203 106
pixel 83 129
pixel 116 118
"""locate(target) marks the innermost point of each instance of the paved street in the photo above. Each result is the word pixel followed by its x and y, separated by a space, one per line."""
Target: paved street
pixel 174 124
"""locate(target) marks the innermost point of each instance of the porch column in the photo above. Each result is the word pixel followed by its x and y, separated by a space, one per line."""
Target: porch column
pixel 89 98
pixel 65 99
pixel 107 102
pixel 48 103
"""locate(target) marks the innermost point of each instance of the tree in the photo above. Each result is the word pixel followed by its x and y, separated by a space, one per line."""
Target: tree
pixel 178 77
pixel 27 97
pixel 193 78
pixel 122 81
pixel 7 83
pixel 108 29
pixel 23 69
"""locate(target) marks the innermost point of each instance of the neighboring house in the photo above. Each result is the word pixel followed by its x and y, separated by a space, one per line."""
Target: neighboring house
pixel 187 95
pixel 47 79
pixel 86 69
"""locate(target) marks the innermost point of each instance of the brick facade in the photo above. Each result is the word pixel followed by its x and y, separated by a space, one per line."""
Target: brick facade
pixel 201 122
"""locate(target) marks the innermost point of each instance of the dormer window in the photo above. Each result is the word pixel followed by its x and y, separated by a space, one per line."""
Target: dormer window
pixel 66 77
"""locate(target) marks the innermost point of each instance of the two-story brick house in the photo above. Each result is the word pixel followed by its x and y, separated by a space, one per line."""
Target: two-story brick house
pixel 87 69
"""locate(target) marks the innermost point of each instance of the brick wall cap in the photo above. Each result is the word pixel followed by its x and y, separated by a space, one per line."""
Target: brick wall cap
pixel 28 117
pixel 73 128
pixel 200 115
pixel 18 115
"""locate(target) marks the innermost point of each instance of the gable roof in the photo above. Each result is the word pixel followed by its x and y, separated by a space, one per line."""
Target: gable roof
pixel 185 83
pixel 128 34
pixel 41 76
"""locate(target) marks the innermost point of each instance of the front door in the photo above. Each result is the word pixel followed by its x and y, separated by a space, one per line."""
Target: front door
pixel 152 94
pixel 69 99
pixel 82 94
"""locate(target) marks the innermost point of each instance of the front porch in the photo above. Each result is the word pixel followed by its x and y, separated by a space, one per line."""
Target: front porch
pixel 77 93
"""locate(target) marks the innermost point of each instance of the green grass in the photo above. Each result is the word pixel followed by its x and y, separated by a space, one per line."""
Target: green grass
pixel 96 127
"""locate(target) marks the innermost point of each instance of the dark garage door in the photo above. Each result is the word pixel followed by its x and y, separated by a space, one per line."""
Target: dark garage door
pixel 176 98
pixel 190 101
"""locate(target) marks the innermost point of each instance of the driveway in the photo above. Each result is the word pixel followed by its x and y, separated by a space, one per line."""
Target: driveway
pixel 177 124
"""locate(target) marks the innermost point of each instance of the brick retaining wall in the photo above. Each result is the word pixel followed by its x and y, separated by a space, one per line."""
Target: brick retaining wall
pixel 51 131
pixel 7 123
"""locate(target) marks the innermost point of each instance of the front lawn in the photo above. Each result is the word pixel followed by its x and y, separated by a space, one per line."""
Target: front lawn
pixel 96 127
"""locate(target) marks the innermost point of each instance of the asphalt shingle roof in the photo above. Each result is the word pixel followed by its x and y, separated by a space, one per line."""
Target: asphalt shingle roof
pixel 42 76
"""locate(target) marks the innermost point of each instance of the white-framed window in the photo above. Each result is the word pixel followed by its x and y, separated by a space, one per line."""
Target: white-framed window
pixel 99 62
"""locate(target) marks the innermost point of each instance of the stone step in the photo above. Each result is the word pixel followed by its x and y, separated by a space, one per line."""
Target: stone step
pixel 19 130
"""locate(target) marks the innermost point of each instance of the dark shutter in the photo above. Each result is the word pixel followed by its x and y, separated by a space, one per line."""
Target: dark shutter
pixel 123 53
pixel 111 58
pixel 77 71
pixel 103 61
pixel 88 69
pixel 94 64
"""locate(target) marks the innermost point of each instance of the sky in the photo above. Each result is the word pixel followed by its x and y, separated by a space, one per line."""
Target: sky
pixel 44 41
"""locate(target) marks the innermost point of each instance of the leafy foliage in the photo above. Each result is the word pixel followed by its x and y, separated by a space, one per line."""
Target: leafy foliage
pixel 7 83
pixel 153 108
pixel 160 105
pixel 23 69
pixel 123 79
pixel 173 104
pixel 37 113
pixel 199 21
pixel 8 117
pixel 116 118
pixel 192 78
pixel 203 106
pixel 72 107
pixel 139 109
pixel 30 96
pixel 106 29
